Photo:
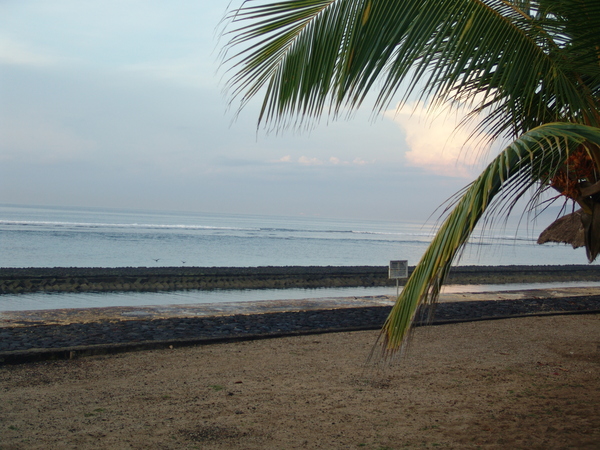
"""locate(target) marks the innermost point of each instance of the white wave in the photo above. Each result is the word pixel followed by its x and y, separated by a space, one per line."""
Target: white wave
pixel 395 233
pixel 33 223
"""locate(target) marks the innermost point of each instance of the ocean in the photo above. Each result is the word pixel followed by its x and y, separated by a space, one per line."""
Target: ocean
pixel 94 237
pixel 91 237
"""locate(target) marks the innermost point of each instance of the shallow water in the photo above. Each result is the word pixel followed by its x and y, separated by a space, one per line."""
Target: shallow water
pixel 41 300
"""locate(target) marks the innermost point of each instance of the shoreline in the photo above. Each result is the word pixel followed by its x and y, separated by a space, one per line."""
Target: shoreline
pixel 148 279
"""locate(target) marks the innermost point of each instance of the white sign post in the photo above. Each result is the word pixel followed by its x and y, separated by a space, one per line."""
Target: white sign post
pixel 397 270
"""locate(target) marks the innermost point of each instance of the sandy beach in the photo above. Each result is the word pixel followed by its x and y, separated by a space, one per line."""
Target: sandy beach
pixel 515 383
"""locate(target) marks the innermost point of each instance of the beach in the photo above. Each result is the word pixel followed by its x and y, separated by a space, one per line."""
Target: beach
pixel 516 383
pixel 296 374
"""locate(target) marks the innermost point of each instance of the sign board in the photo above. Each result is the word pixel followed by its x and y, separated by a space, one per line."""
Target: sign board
pixel 398 269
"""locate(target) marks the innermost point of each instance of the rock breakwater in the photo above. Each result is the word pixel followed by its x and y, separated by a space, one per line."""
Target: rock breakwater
pixel 144 279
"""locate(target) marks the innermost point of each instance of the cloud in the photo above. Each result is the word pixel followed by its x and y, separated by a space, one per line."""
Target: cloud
pixel 190 70
pixel 332 161
pixel 42 143
pixel 436 144
pixel 305 161
pixel 359 161
pixel 18 54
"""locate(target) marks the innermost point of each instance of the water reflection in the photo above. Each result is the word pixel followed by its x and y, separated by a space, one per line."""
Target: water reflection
pixel 40 301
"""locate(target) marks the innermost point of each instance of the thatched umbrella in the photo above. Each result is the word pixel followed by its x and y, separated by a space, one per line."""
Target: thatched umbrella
pixel 568 229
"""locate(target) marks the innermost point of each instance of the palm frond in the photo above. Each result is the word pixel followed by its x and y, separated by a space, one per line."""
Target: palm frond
pixel 530 161
pixel 308 57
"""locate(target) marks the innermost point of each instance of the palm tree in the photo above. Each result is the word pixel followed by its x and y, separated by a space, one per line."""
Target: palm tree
pixel 528 70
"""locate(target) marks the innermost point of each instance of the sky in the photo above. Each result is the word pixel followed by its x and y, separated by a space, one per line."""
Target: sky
pixel 120 104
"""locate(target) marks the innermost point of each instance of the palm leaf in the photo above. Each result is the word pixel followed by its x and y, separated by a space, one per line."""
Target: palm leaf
pixel 515 59
pixel 530 161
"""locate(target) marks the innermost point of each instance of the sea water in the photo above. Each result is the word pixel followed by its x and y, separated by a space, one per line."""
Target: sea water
pixel 93 237
pixel 90 237
pixel 60 300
